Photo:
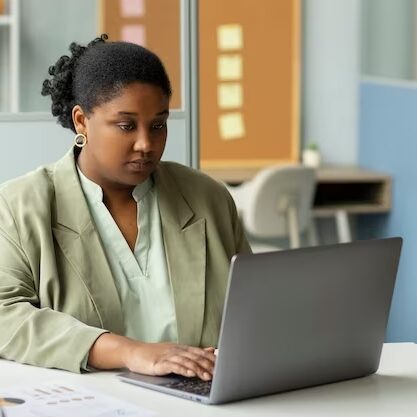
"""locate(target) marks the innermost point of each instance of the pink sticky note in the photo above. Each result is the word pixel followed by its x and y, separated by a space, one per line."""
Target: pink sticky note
pixel 134 34
pixel 132 8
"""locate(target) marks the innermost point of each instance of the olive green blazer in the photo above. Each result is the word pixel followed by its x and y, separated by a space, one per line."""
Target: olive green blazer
pixel 57 293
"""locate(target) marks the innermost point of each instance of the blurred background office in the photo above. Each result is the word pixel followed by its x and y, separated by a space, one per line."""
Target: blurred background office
pixel 255 83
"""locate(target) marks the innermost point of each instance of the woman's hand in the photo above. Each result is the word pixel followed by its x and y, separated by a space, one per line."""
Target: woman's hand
pixel 165 358
pixel 112 351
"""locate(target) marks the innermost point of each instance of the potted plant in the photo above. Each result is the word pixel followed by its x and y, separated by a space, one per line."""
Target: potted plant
pixel 311 155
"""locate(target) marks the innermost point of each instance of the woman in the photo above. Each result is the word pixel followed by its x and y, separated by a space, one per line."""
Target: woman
pixel 110 258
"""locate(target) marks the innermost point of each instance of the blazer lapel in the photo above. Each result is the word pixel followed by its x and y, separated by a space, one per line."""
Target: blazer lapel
pixel 185 246
pixel 81 245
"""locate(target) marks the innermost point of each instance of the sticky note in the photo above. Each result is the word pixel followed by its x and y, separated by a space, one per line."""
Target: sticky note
pixel 229 37
pixel 229 95
pixel 229 67
pixel 134 34
pixel 132 8
pixel 231 126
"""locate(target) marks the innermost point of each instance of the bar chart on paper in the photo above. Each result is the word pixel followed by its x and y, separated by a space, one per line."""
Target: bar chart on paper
pixel 64 400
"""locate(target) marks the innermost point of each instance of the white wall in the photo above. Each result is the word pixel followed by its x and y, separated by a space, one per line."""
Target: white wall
pixel 331 67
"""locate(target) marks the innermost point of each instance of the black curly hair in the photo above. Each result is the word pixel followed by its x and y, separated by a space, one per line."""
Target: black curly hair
pixel 96 73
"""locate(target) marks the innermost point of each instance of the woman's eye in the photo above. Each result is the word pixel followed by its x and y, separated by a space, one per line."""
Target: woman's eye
pixel 159 126
pixel 127 127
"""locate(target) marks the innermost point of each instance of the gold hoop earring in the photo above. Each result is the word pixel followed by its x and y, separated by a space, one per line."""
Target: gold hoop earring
pixel 80 140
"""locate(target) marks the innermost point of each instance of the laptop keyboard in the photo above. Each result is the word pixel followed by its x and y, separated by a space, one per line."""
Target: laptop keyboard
pixel 192 385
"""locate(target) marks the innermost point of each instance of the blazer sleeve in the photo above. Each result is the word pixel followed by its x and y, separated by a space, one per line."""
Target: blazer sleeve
pixel 241 243
pixel 28 333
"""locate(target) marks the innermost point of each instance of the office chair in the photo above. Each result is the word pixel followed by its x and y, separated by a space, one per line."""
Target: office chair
pixel 276 203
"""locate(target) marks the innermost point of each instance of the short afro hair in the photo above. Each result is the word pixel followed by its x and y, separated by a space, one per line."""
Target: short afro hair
pixel 96 73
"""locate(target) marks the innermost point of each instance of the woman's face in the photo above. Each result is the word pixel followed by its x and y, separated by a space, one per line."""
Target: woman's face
pixel 125 136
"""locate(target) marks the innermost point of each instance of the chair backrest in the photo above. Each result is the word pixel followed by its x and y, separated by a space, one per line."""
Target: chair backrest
pixel 271 193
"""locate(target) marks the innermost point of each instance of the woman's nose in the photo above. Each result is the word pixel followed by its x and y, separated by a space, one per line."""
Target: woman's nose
pixel 142 141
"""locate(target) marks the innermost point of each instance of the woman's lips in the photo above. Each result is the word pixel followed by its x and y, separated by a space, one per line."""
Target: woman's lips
pixel 140 165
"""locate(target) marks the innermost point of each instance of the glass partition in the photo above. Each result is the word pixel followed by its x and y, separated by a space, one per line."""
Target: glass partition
pixel 389 39
pixel 34 33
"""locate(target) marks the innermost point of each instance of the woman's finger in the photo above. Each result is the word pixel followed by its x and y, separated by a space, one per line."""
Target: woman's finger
pixel 194 366
pixel 166 367
pixel 202 352
pixel 203 361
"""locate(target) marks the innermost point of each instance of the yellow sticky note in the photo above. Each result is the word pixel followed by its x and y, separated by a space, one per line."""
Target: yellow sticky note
pixel 231 126
pixel 229 95
pixel 229 67
pixel 229 37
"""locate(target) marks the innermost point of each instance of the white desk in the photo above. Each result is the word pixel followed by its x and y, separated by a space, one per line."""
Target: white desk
pixel 391 392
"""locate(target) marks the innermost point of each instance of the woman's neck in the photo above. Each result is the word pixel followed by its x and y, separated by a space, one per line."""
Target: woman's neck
pixel 113 193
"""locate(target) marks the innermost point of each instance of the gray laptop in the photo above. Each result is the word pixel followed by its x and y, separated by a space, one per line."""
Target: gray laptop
pixel 295 319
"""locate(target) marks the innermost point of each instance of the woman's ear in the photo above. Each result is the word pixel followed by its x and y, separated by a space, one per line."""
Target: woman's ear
pixel 79 119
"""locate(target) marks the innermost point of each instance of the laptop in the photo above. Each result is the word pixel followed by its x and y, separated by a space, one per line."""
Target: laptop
pixel 294 319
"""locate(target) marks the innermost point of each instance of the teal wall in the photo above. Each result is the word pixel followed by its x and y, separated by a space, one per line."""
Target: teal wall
pixel 388 143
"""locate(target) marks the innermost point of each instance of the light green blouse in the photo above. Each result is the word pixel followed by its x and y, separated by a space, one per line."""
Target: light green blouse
pixel 141 277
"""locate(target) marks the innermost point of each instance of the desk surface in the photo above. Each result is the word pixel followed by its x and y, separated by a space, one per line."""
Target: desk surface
pixel 392 391
pixel 325 173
